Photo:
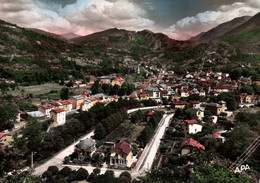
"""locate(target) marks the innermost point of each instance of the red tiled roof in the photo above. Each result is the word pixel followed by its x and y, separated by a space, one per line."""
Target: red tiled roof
pixel 143 95
pixel 216 134
pixel 93 99
pixel 192 142
pixel 47 106
pixel 141 87
pixel 242 95
pixel 58 110
pixel 90 84
pixel 2 135
pixel 124 147
pixel 180 102
pixel 194 102
pixel 150 113
pixel 65 102
pixel 118 79
pixel 55 104
pixel 190 121
pixel 133 95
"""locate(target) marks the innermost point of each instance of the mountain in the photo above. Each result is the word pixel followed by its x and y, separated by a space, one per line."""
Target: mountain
pixel 246 37
pixel 120 38
pixel 70 35
pixel 220 30
pixel 48 34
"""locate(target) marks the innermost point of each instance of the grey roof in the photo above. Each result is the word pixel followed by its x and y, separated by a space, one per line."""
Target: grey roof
pixel 104 77
pixel 98 95
pixel 36 114
pixel 213 105
pixel 78 97
pixel 87 145
pixel 153 89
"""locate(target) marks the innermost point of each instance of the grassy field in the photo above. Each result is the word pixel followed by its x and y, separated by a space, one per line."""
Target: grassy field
pixel 126 131
pixel 36 89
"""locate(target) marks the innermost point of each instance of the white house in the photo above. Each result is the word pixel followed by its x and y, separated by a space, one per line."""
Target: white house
pixel 58 116
pixel 85 106
pixel 46 109
pixel 191 126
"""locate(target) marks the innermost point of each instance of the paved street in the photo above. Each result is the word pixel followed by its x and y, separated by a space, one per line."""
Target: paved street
pixel 57 160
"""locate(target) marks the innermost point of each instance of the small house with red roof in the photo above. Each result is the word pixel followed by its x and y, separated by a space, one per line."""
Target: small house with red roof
pixel 118 81
pixel 66 105
pixel 178 104
pixel 46 109
pixel 121 155
pixel 191 126
pixel 150 115
pixel 191 146
pixel 133 95
pixel 18 117
pixel 58 116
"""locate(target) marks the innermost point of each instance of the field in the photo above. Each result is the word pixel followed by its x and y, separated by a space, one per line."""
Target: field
pixel 37 89
pixel 126 131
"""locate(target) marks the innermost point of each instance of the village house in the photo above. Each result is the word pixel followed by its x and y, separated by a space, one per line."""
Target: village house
pixel 121 155
pixel 58 116
pixel 245 98
pixel 216 108
pixel 105 79
pixel 46 109
pixel 144 97
pixel 196 112
pixel 76 101
pixel 149 115
pixel 85 149
pixel 153 92
pixel 191 126
pixel 118 81
pixel 18 117
pixel 133 96
pixel 191 146
pixel 36 114
pixel 66 105
pixel 178 104
pixel 139 89
pixel 86 105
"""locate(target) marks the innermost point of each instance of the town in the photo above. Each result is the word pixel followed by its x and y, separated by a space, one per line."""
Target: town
pixel 146 120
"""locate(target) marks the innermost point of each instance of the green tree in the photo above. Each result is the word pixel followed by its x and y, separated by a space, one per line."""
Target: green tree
pixel 247 89
pixel 96 171
pixel 216 173
pixel 82 174
pixel 126 174
pixel 53 169
pixel 65 171
pixel 8 114
pixel 64 93
pixel 100 132
pixel 34 133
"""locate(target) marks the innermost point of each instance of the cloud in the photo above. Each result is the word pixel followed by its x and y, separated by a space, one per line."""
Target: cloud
pixel 81 16
pixel 192 26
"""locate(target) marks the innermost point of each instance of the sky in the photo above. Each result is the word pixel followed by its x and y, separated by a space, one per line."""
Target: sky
pixel 179 19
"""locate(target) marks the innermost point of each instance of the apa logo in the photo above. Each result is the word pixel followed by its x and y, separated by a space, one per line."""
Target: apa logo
pixel 242 168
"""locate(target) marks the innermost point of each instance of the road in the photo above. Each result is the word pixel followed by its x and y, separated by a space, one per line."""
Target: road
pixel 57 160
pixel 146 160
pixel 146 108
pixel 143 165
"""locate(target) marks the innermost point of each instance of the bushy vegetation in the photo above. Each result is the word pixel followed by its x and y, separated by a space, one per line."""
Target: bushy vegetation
pixel 243 37
pixel 33 77
pixel 138 41
pixel 148 131
pixel 247 58
pixel 181 56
